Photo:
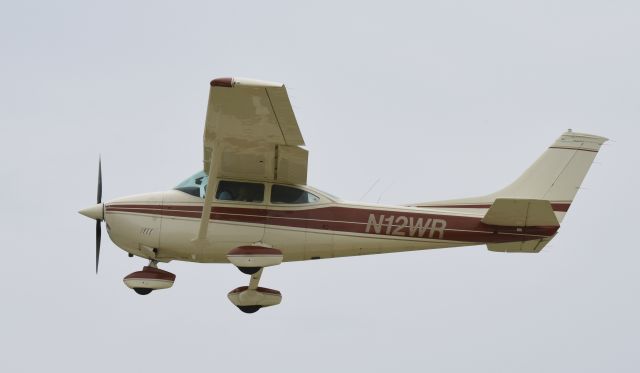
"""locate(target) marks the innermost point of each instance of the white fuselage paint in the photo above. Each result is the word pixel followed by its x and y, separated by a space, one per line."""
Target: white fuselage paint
pixel 146 233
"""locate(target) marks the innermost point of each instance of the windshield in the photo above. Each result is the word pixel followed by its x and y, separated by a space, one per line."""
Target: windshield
pixel 196 185
pixel 322 192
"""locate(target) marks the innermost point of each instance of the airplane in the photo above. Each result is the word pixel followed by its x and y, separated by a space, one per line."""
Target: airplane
pixel 250 204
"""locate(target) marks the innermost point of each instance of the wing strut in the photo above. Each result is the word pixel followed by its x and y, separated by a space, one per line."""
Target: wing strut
pixel 201 239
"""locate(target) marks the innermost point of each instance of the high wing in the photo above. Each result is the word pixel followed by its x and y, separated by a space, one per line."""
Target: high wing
pixel 251 133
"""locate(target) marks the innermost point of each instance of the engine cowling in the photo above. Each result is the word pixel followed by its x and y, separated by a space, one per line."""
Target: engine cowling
pixel 150 278
pixel 254 257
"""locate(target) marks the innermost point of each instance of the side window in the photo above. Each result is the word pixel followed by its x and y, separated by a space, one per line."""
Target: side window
pixel 285 194
pixel 239 191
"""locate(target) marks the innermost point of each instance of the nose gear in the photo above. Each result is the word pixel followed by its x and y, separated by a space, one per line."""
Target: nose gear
pixel 149 279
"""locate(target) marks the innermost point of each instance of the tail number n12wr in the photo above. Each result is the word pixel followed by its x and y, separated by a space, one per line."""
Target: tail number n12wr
pixel 406 226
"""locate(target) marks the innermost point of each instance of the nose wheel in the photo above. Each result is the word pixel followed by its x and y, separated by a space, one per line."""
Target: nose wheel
pixel 149 279
pixel 143 291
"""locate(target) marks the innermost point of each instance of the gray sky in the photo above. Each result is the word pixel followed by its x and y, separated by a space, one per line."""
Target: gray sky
pixel 439 100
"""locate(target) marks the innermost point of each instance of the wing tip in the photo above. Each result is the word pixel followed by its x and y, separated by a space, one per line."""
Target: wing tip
pixel 244 82
pixel 222 82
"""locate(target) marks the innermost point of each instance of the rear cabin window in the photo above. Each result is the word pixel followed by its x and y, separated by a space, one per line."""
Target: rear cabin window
pixel 285 194
pixel 240 191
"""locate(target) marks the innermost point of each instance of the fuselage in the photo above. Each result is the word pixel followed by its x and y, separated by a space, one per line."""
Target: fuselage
pixel 163 226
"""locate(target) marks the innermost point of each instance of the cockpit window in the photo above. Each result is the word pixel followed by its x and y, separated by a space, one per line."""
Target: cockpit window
pixel 285 194
pixel 240 191
pixel 195 185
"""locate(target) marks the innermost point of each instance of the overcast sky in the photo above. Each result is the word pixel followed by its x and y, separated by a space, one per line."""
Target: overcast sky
pixel 437 100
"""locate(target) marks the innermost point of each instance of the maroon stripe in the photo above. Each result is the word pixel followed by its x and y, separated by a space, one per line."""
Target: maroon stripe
pixel 150 273
pixel 351 220
pixel 227 214
pixel 258 289
pixel 193 208
pixel 222 82
pixel 560 206
pixel 255 250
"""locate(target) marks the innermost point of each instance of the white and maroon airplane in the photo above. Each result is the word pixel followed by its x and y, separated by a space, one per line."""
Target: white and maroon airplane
pixel 251 205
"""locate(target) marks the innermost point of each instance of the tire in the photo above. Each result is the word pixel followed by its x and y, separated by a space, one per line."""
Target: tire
pixel 249 270
pixel 142 291
pixel 249 309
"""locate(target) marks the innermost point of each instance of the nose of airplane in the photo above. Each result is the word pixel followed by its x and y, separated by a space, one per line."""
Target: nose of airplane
pixel 94 212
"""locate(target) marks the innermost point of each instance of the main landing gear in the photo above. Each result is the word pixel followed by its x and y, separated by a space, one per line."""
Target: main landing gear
pixel 149 279
pixel 251 260
pixel 250 299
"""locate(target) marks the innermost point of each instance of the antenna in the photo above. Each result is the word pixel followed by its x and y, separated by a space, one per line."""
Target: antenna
pixel 369 190
pixel 385 191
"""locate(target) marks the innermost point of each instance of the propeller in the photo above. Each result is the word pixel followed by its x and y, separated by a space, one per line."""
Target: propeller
pixel 96 212
pixel 98 221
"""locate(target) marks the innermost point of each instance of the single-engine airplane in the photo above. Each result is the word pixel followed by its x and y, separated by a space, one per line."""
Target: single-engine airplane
pixel 250 205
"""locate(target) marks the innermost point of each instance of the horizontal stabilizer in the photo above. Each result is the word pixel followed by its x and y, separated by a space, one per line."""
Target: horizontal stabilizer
pixel 532 246
pixel 516 212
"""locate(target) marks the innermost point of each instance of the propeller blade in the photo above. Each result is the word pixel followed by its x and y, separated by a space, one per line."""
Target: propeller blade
pixel 100 180
pixel 98 226
pixel 98 238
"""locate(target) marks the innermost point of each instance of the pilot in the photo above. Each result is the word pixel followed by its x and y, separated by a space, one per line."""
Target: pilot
pixel 244 194
pixel 225 195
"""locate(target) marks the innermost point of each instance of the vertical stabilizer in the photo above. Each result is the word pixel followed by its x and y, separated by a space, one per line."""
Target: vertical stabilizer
pixel 555 177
